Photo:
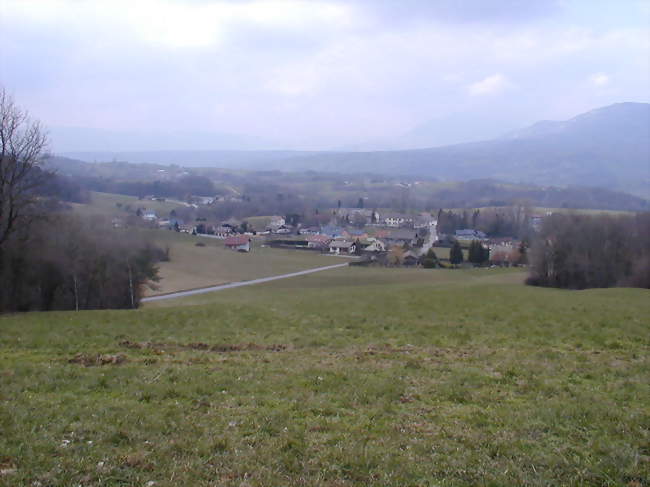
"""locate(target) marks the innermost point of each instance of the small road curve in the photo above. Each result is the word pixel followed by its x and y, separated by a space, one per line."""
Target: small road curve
pixel 221 287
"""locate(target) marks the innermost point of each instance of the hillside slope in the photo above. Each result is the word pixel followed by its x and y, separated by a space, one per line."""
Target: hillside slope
pixel 607 147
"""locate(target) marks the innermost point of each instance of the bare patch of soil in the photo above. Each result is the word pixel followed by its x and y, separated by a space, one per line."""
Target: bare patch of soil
pixel 88 360
pixel 222 348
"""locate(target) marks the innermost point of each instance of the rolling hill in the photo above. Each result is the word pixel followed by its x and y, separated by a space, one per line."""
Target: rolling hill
pixel 608 147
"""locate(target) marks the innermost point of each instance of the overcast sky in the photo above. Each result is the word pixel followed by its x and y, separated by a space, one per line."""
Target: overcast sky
pixel 317 74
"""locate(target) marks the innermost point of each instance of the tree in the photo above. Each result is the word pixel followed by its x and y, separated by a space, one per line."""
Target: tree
pixel 430 260
pixel 456 253
pixel 477 253
pixel 22 145
pixel 360 203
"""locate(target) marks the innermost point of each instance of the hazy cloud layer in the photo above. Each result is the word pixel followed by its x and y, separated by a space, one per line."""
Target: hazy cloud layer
pixel 322 73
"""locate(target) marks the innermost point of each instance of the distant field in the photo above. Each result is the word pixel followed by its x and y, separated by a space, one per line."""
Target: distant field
pixel 350 377
pixel 106 204
pixel 191 267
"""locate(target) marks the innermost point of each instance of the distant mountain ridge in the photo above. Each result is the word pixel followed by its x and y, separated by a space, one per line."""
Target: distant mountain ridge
pixel 607 147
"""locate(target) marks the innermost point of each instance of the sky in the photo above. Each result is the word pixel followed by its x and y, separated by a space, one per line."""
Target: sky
pixel 317 74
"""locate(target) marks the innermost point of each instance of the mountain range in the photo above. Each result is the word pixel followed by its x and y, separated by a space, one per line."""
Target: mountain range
pixel 606 147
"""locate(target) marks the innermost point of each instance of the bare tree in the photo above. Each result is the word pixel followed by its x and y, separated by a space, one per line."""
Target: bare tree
pixel 22 144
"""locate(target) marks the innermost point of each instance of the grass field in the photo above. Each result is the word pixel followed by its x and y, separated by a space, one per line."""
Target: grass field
pixel 350 377
pixel 106 204
pixel 192 267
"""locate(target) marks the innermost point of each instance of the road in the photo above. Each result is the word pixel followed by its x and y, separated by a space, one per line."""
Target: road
pixel 230 285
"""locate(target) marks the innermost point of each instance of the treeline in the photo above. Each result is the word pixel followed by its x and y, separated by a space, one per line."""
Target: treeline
pixel 183 187
pixel 510 221
pixel 60 187
pixel 61 262
pixel 579 252
pixel 488 193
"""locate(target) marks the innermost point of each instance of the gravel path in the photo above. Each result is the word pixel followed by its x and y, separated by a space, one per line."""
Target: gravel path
pixel 181 294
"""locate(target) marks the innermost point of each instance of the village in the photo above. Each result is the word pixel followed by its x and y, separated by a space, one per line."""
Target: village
pixel 365 236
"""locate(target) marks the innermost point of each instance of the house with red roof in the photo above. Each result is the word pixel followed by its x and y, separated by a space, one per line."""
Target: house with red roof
pixel 240 243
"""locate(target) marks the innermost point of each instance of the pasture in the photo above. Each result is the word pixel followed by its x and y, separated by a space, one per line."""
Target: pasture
pixel 111 205
pixel 350 377
pixel 211 263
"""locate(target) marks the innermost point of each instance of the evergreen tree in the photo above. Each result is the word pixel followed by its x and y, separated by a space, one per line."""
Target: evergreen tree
pixel 477 253
pixel 360 203
pixel 474 252
pixel 357 247
pixel 430 260
pixel 456 254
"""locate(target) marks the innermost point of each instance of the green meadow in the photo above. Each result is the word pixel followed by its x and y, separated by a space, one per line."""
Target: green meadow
pixel 349 377
pixel 210 263
pixel 111 205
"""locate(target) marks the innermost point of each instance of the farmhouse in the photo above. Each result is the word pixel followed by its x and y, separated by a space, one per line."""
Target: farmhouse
pixel 240 243
pixel 373 245
pixel 342 247
pixel 402 236
pixel 318 241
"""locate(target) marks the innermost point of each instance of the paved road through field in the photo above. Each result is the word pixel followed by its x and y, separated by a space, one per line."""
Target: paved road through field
pixel 230 285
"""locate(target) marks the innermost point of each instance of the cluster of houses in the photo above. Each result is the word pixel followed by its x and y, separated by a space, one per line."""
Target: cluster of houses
pixel 351 232
pixel 339 240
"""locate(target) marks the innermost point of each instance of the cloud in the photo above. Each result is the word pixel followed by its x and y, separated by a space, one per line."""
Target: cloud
pixel 491 85
pixel 338 69
pixel 599 79
pixel 454 11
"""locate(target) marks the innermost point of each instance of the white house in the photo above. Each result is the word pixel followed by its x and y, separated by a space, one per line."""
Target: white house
pixel 222 232
pixel 374 245
pixel 276 222
pixel 149 216
pixel 342 247
pixel 396 219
